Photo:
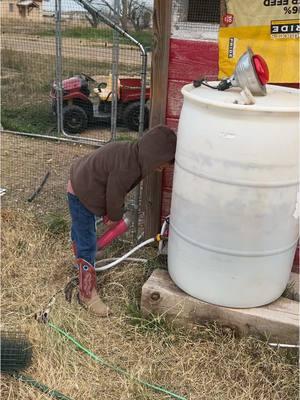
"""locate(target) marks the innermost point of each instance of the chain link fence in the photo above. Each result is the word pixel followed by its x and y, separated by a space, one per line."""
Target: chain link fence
pixel 196 19
pixel 89 55
pixel 28 68
pixel 70 75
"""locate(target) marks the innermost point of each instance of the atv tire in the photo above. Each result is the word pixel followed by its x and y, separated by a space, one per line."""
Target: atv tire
pixel 131 116
pixel 75 119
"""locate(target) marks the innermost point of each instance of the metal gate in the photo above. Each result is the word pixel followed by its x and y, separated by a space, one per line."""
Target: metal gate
pixel 41 56
pixel 108 90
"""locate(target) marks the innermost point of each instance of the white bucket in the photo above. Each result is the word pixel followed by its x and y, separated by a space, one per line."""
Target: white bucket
pixel 234 219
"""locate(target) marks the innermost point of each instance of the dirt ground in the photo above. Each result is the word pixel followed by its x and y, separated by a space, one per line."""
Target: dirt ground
pixel 87 49
pixel 202 363
pixel 25 161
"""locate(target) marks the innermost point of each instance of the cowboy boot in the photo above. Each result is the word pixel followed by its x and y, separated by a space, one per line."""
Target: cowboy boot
pixel 88 295
pixel 74 248
pixel 74 251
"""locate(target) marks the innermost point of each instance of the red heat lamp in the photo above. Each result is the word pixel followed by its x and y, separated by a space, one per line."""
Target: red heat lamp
pixel 261 69
pixel 250 72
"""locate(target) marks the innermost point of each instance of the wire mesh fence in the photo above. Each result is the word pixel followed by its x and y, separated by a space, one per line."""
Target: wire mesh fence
pixel 92 55
pixel 28 68
pixel 26 162
pixel 101 74
pixel 102 83
pixel 196 19
pixel 34 178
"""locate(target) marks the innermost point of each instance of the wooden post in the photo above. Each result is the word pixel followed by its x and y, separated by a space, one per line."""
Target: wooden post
pixel 159 88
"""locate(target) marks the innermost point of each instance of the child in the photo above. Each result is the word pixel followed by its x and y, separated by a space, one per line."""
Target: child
pixel 98 186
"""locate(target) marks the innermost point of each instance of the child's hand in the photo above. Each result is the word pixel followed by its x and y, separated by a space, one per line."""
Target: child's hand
pixel 108 222
pixel 105 219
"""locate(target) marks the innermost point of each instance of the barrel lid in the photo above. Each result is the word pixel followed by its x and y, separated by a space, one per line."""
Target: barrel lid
pixel 278 98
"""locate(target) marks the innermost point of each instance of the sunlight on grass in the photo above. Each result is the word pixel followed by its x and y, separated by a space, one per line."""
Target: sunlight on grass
pixel 103 34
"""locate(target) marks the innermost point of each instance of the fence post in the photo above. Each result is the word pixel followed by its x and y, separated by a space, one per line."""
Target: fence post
pixel 115 73
pixel 58 67
pixel 159 87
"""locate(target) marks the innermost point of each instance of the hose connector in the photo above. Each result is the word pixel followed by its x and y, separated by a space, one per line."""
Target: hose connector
pixel 158 237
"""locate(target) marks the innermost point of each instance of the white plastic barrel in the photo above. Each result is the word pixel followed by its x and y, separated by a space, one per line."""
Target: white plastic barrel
pixel 234 215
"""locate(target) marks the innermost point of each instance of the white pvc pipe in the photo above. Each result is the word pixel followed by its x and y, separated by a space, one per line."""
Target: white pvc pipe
pixel 106 260
pixel 119 260
pixel 162 231
pixel 79 140
pixel 284 345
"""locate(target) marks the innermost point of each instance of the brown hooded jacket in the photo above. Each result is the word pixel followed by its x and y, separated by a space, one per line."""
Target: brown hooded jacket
pixel 102 179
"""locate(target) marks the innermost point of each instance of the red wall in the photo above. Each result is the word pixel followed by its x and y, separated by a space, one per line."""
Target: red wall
pixel 188 60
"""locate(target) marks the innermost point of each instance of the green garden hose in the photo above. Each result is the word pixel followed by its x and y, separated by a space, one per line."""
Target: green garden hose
pixel 43 388
pixel 113 367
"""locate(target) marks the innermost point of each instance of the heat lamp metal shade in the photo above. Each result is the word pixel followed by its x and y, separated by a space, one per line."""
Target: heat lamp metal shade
pixel 246 76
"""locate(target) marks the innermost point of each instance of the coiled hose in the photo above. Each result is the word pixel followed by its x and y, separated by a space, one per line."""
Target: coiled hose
pixel 124 257
pixel 117 261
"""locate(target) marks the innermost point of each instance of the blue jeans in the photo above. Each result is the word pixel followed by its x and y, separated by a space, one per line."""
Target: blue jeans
pixel 83 230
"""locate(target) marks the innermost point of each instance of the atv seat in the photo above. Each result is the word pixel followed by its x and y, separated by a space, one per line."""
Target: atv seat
pixel 104 95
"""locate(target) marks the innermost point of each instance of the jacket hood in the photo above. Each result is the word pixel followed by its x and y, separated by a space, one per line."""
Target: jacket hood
pixel 156 148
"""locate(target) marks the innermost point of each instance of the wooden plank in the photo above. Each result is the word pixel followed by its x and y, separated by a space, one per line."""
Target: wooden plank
pixel 172 123
pixel 160 60
pixel 168 175
pixel 166 197
pixel 175 99
pixel 159 89
pixel 189 60
pixel 279 321
pixel 192 59
pixel 152 194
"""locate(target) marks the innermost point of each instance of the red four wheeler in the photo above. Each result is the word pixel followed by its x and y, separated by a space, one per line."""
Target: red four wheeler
pixel 87 100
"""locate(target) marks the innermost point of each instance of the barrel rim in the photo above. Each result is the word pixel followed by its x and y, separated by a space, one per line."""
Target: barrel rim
pixel 186 91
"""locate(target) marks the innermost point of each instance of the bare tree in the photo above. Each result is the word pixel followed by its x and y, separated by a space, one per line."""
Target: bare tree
pixel 103 5
pixel 93 19
pixel 132 12
pixel 139 14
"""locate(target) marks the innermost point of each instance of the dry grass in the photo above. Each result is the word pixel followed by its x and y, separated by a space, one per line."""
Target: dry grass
pixel 203 363
pixel 26 161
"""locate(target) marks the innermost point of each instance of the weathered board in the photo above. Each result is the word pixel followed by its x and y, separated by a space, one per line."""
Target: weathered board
pixel 188 60
pixel 278 321
pixel 159 88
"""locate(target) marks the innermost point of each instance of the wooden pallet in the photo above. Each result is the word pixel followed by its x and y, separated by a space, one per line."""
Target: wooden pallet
pixel 278 321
